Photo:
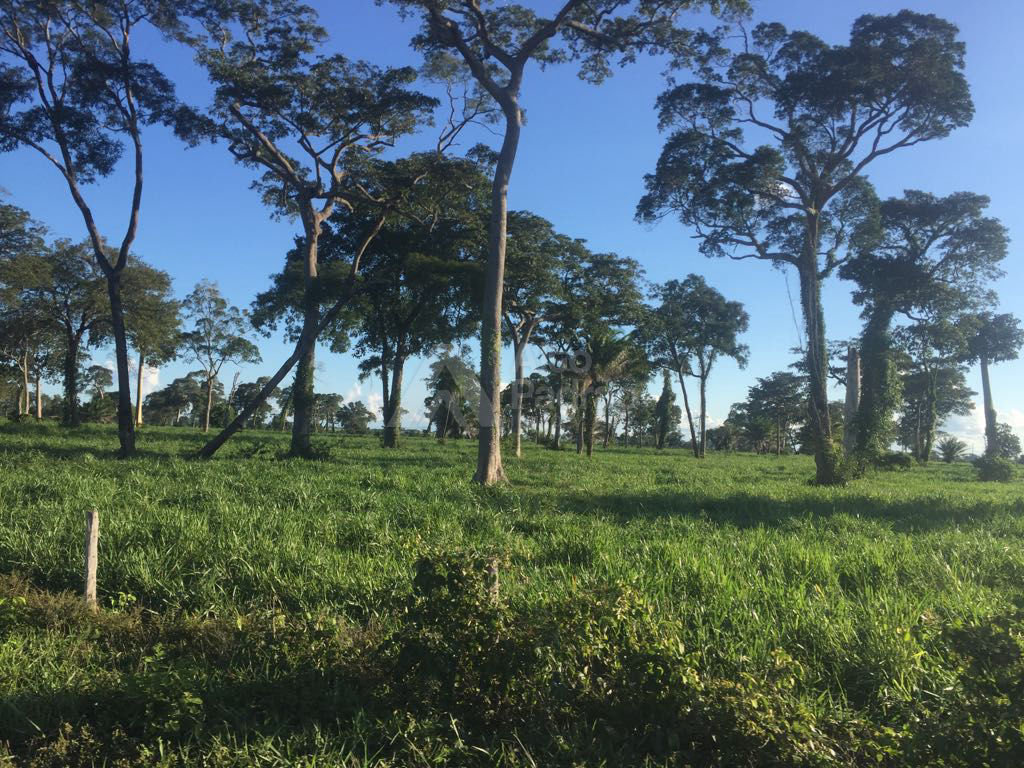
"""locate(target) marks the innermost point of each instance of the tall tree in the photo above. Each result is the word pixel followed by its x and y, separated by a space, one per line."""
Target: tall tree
pixel 598 298
pixel 354 418
pixel 73 89
pixel 420 300
pixel 245 392
pixel 497 43
pixel 801 200
pixel 22 321
pixel 556 337
pixel 152 321
pixel 997 338
pixel 217 337
pixel 63 291
pixel 608 354
pixel 19 233
pixel 693 327
pixel 932 353
pixel 99 379
pixel 186 395
pixel 933 390
pixel 303 120
pixel 325 410
pixel 421 273
pixel 533 251
pixel 774 405
pixel 934 255
pixel 453 396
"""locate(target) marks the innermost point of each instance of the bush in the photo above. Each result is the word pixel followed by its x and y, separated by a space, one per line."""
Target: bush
pixel 894 461
pixel 994 469
pixel 976 720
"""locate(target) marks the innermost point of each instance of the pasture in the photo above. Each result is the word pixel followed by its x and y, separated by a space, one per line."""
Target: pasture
pixel 650 608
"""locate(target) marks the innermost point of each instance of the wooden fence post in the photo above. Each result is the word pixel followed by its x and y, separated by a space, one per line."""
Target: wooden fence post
pixel 92 543
pixel 492 579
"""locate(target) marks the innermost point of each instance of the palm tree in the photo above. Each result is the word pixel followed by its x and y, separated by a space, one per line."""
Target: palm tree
pixel 951 449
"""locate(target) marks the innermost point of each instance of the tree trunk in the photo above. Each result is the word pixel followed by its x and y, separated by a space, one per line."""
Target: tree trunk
pixel 879 396
pixel 689 415
pixel 72 413
pixel 826 457
pixel 918 442
pixel 932 418
pixel 39 397
pixel 589 419
pixel 26 394
pixel 442 427
pixel 991 432
pixel 703 416
pixel 557 442
pixel 138 391
pixel 488 464
pixel 578 396
pixel 284 412
pixel 393 411
pixel 517 398
pixel 305 340
pixel 302 389
pixel 209 403
pixel 852 398
pixel 607 418
pixel 302 399
pixel 125 414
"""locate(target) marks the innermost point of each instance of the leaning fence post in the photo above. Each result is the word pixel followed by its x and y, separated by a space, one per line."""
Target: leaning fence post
pixel 92 543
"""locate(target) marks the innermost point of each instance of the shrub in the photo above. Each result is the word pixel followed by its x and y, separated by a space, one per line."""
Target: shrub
pixel 976 720
pixel 994 469
pixel 894 461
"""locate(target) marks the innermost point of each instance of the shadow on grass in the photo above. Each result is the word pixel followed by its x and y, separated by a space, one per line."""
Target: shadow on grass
pixel 745 509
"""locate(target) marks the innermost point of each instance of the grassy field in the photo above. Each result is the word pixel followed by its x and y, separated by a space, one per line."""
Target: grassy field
pixel 651 609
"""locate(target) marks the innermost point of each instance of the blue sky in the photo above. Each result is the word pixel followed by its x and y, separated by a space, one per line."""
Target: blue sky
pixel 581 161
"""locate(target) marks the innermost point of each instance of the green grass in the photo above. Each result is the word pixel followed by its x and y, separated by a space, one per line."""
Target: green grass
pixel 653 609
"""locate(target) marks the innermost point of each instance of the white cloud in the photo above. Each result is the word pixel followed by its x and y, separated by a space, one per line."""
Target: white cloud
pixel 150 375
pixel 374 401
pixel 971 428
pixel 354 393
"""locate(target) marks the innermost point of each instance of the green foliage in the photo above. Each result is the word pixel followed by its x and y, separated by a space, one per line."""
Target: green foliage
pixel 666 413
pixel 1006 444
pixel 951 449
pixel 978 721
pixel 895 461
pixel 218 336
pixel 152 315
pixel 997 338
pixel 995 469
pixel 454 396
pixel 354 418
pixel 775 405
